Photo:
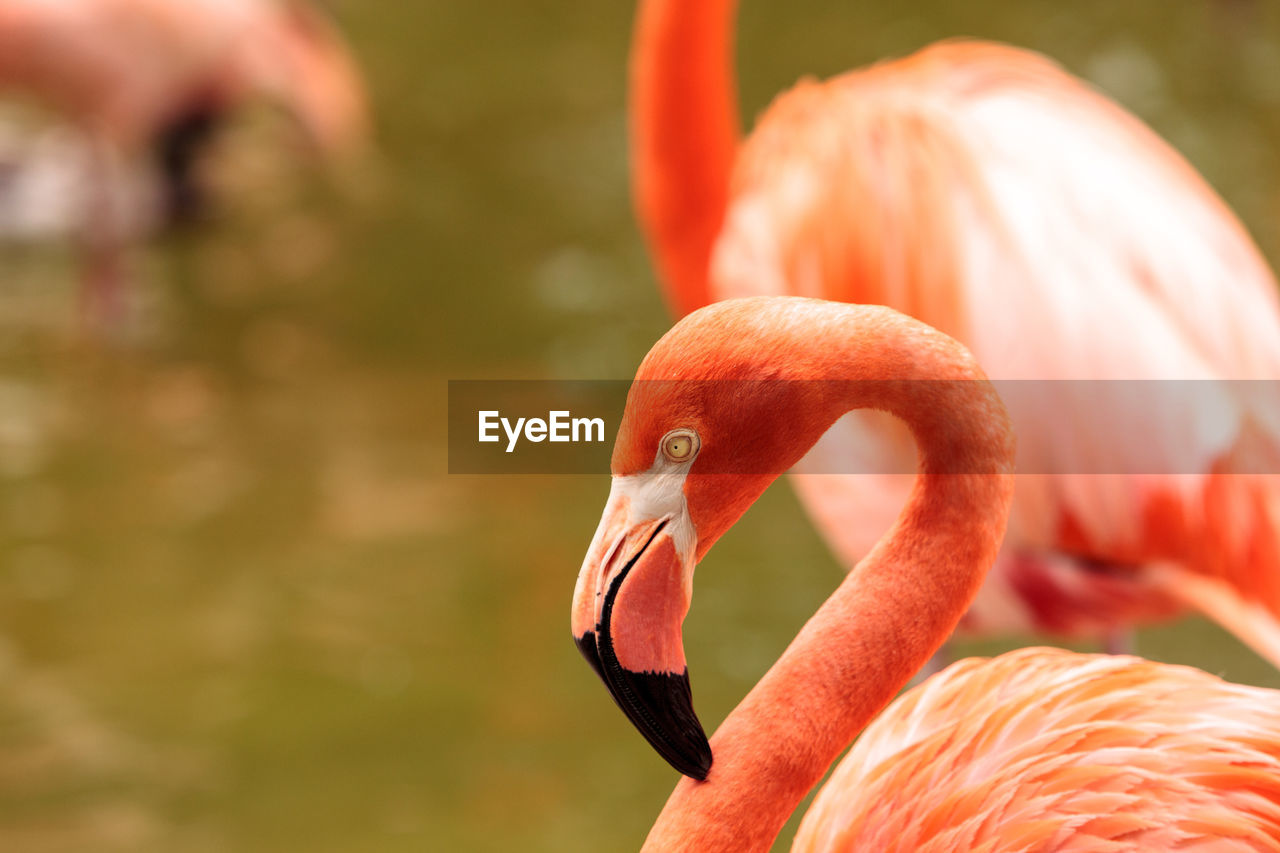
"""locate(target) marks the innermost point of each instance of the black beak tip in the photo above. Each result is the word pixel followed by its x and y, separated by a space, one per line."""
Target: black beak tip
pixel 659 704
pixel 587 646
pixel 699 764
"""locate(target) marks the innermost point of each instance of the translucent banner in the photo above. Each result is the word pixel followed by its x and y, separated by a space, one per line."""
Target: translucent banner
pixel 1134 427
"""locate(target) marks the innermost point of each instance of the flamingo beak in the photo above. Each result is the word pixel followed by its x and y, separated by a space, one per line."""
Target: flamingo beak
pixel 630 601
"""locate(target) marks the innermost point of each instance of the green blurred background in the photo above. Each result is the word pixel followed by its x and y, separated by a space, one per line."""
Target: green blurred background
pixel 244 607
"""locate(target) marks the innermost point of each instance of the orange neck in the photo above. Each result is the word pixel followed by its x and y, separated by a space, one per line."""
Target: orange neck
pixel 684 133
pixel 885 620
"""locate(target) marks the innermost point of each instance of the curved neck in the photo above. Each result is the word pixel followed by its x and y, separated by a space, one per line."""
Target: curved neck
pixel 684 132
pixel 892 612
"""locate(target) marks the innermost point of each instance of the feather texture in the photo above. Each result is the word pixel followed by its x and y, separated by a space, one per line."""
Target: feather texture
pixel 1042 749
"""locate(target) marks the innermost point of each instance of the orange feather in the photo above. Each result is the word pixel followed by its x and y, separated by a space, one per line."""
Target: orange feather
pixel 987 192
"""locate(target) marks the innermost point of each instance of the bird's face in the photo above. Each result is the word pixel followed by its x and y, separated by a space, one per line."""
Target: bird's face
pixel 631 598
pixel 690 457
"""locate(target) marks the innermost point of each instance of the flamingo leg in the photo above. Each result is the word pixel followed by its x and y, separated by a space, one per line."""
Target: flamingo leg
pixel 102 294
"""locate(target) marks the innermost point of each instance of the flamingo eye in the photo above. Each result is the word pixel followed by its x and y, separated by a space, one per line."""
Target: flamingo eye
pixel 680 445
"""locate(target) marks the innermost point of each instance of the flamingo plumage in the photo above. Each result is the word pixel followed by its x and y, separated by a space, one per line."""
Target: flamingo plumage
pixel 1035 750
pixel 985 191
pixel 139 75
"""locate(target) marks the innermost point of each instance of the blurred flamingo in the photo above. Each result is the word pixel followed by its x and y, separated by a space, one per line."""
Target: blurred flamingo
pixel 985 191
pixel 1036 750
pixel 160 75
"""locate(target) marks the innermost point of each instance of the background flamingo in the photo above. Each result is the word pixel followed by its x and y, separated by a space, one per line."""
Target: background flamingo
pixel 1034 750
pixel 160 75
pixel 983 190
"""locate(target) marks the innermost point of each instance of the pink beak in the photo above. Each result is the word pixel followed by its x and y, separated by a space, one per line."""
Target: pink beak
pixel 628 607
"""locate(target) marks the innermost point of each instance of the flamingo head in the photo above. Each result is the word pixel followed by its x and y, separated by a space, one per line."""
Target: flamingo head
pixel 710 422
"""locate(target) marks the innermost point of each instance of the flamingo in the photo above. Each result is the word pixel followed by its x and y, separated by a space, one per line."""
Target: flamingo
pixel 985 191
pixel 160 75
pixel 1036 750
